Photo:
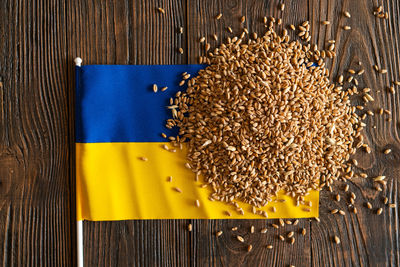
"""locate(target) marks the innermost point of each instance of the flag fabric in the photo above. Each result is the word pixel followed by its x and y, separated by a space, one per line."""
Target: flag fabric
pixel 119 119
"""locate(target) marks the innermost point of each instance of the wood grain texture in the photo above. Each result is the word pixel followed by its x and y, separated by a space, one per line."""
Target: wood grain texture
pixel 39 40
pixel 36 223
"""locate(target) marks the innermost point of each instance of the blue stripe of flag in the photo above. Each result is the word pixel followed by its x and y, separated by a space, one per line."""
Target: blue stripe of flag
pixel 116 103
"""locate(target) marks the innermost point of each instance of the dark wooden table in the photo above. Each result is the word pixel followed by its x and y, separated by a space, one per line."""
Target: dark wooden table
pixel 38 41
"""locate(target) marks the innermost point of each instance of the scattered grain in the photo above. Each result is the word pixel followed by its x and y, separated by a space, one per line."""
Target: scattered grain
pixel 177 189
pixel 275 226
pixel 379 178
pixel 387 151
pixel 239 238
pixel 303 231
pixel 354 210
pixel 249 248
pixel 346 188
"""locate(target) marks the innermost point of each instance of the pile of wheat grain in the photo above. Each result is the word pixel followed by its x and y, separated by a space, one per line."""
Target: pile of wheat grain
pixel 262 118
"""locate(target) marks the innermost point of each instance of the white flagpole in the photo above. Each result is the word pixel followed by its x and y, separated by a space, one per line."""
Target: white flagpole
pixel 79 228
pixel 79 224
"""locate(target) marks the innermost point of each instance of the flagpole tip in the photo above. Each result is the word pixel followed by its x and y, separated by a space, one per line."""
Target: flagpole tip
pixel 78 61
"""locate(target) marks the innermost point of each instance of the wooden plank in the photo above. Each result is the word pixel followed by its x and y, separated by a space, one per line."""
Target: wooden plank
pixel 35 196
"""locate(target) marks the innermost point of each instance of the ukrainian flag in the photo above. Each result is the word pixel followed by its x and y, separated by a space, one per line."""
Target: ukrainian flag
pixel 120 119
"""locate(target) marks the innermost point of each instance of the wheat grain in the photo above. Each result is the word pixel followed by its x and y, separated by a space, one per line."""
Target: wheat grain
pixel 177 189
pixel 303 231
pixel 233 103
